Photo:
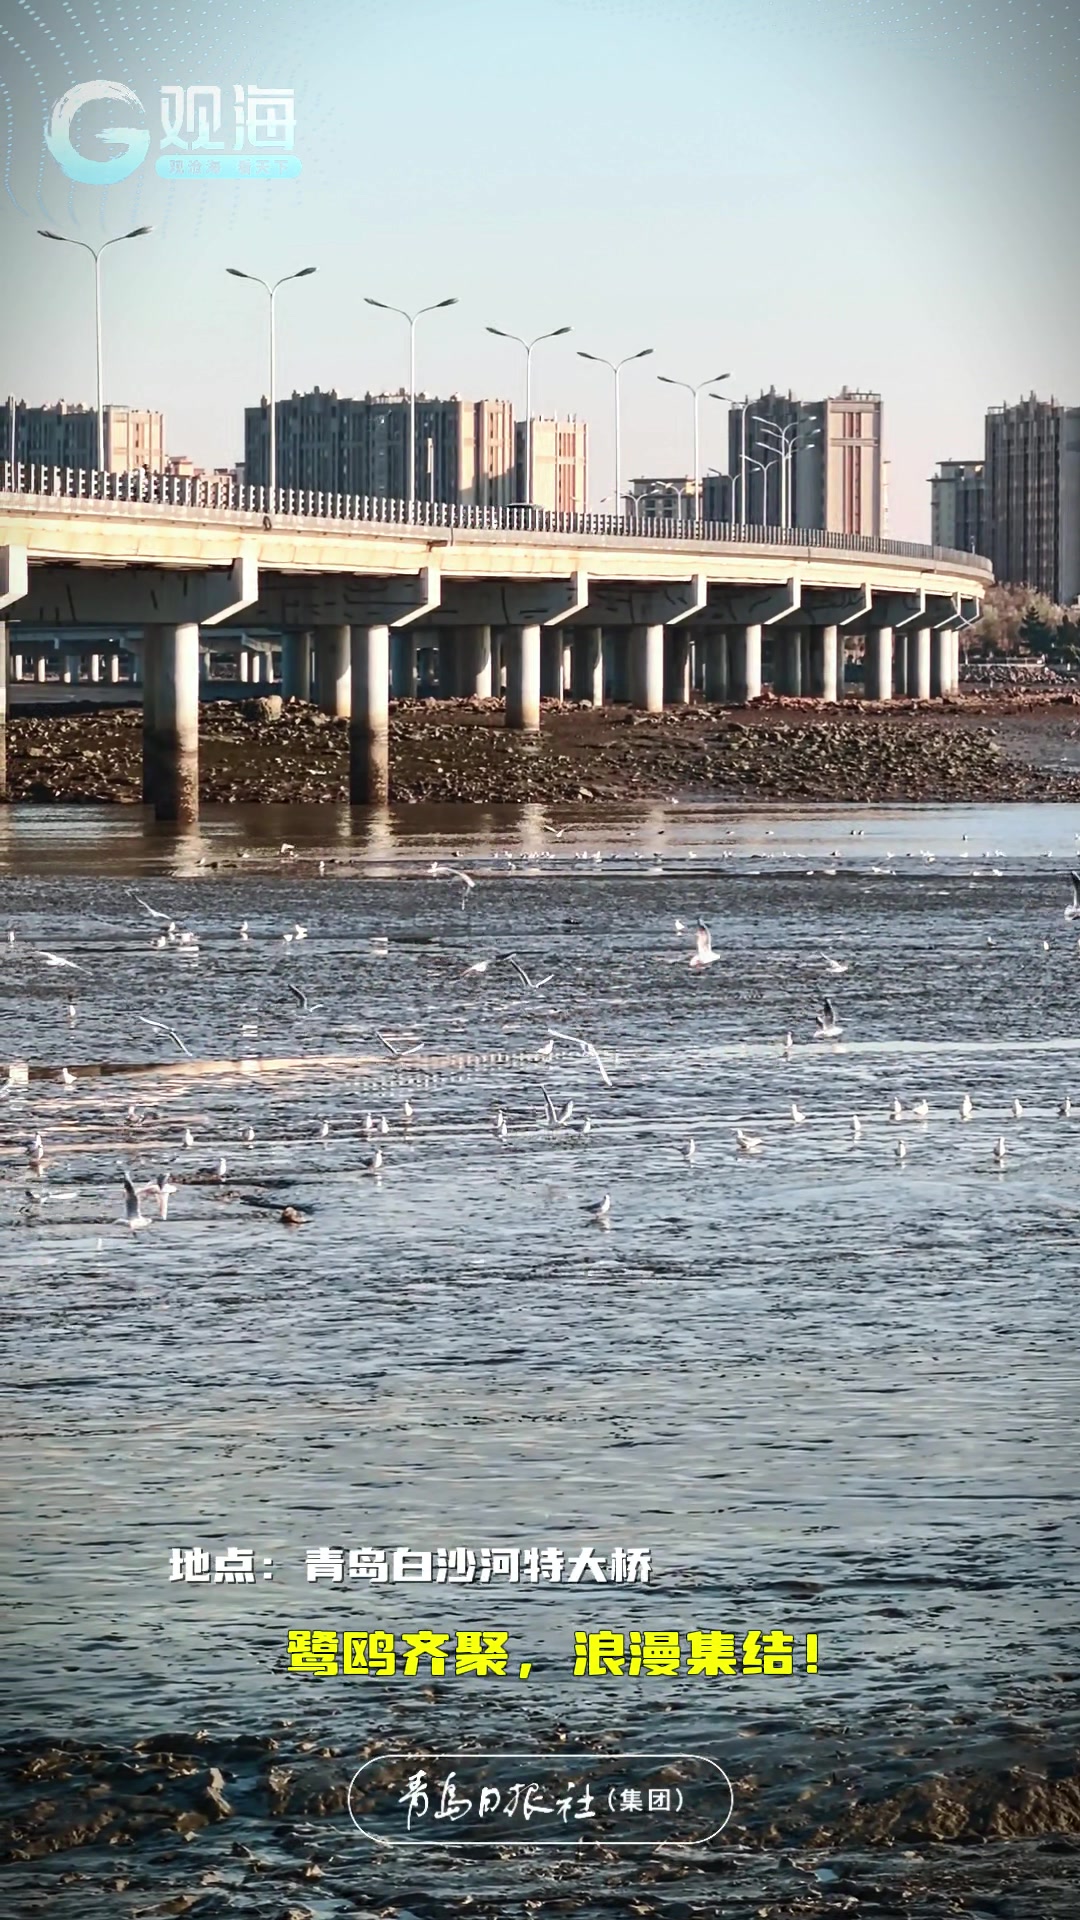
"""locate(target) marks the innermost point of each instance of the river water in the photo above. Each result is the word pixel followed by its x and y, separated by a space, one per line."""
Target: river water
pixel 830 1391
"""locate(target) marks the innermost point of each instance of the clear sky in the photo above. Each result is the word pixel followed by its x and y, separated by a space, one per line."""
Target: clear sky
pixel 806 193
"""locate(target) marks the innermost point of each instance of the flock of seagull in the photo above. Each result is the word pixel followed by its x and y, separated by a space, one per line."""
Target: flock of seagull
pixel 556 1118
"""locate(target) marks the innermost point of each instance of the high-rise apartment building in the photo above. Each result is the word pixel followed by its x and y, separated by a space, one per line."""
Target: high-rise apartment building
pixel 958 506
pixel 1033 496
pixel 656 497
pixel 835 476
pixel 325 442
pixel 66 436
pixel 560 466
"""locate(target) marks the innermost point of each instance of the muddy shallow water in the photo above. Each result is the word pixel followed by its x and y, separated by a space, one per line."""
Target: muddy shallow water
pixel 831 1391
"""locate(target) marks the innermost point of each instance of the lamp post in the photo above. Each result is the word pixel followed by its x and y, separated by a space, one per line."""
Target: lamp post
pixel 616 367
pixel 695 393
pixel 412 318
pixel 136 233
pixel 763 467
pixel 784 440
pixel 555 334
pixel 271 290
pixel 742 452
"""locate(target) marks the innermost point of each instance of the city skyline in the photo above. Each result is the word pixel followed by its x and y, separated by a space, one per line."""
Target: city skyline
pixel 785 250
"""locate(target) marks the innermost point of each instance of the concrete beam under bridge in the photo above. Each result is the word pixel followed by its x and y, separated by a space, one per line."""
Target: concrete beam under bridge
pixel 138 596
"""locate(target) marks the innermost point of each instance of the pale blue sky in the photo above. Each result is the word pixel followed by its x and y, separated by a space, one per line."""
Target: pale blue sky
pixel 806 192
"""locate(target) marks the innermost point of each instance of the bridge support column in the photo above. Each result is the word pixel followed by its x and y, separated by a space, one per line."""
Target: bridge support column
pixel 244 666
pixel 589 665
pixel 447 663
pixel 716 683
pixel 256 667
pixel 954 663
pixel 787 664
pixel 369 721
pixel 825 664
pixel 677 667
pixel 95 669
pixel 171 721
pixel 646 664
pixel 616 657
pixel 15 671
pixel 3 707
pixel 40 669
pixel 522 654
pixel 332 671
pixel 744 650
pixel 69 670
pixel 878 665
pixel 296 666
pixel 551 645
pixel 403 664
pixel 918 663
pixel 114 669
pixel 567 692
pixel 473 677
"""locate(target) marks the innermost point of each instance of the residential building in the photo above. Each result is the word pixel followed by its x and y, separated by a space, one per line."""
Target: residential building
pixel 958 505
pixel 66 436
pixel 328 443
pixel 719 497
pixel 1032 506
pixel 179 467
pixel 836 473
pixel 560 466
pixel 661 498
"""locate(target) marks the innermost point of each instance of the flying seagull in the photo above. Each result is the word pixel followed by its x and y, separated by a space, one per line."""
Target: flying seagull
pixel 159 1026
pixel 56 960
pixel 154 912
pixel 587 1049
pixel 396 1052
pixel 828 1026
pixel 534 986
pixel 298 994
pixel 136 1218
pixel 703 955
pixel 556 1117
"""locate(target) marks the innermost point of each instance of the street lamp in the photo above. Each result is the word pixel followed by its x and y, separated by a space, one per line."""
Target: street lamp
pixel 763 467
pixel 695 393
pixel 616 367
pixel 742 453
pixel 271 290
pixel 785 440
pixel 412 318
pixel 555 334
pixel 136 233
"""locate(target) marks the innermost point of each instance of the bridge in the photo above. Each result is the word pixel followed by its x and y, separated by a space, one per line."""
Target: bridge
pixel 554 604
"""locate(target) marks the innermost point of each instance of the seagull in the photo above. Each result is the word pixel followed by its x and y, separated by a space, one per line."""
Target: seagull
pixel 136 1218
pixel 599 1209
pixel 56 960
pixel 789 1042
pixel 585 1128
pixel 797 1114
pixel 67 1077
pixel 746 1142
pixel 999 1151
pixel 373 1163
pixel 384 1124
pixel 248 1136
pixel 1073 912
pixel 896 1111
pixel 1017 1109
pixel 163 1189
pixel 689 1151
pixel 534 986
pixel 587 1048
pixel 555 832
pixel 478 967
pixel 966 1107
pixel 301 998
pixel 35 1152
pixel 545 1052
pixel 188 1137
pixel 244 930
pixel 901 1151
pixel 835 966
pixel 440 871
pixel 680 926
pixel 396 1052
pixel 160 1026
pixel 407 1112
pixel 1065 1109
pixel 557 1117
pixel 324 1130
pixel 499 1125
pixel 299 932
pixel 920 1110
pixel 703 955
pixel 210 1176
pixel 154 912
pixel 72 1011
pixel 828 1026
pixel 856 1127
pixel 286 847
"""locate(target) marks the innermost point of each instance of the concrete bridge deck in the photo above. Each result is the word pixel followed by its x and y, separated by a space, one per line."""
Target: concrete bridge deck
pixel 543 603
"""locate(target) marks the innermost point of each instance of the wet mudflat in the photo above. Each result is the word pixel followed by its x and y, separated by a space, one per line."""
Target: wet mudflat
pixel 833 1391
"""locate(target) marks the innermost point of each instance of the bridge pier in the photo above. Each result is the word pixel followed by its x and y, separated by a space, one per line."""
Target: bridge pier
pixel 447 663
pixel 677 691
pixel 716 678
pixel 918 663
pixel 473 648
pixel 296 666
pixel 171 721
pixel 878 664
pixel 369 721
pixel 588 679
pixel 744 649
pixel 522 652
pixel 787 662
pixel 646 668
pixel 332 671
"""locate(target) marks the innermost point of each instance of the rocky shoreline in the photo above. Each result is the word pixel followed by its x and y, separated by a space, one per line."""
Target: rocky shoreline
pixel 978 747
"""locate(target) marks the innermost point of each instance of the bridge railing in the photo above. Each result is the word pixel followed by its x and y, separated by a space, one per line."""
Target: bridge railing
pixel 228 496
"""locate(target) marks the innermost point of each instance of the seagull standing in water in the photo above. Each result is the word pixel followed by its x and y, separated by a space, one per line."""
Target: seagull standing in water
pixel 1017 1109
pixel 901 1151
pixel 856 1127
pixel 599 1209
pixel 999 1151
pixel 966 1107
pixel 746 1142
pixel 1073 912
pixel 703 955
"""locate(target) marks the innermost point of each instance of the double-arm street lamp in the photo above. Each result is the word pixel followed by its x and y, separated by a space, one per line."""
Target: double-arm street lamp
pixel 616 367
pixel 136 233
pixel 270 289
pixel 412 318
pixel 784 441
pixel 695 393
pixel 555 334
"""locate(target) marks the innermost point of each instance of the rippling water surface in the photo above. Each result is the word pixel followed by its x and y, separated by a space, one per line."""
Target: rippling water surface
pixel 832 1392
